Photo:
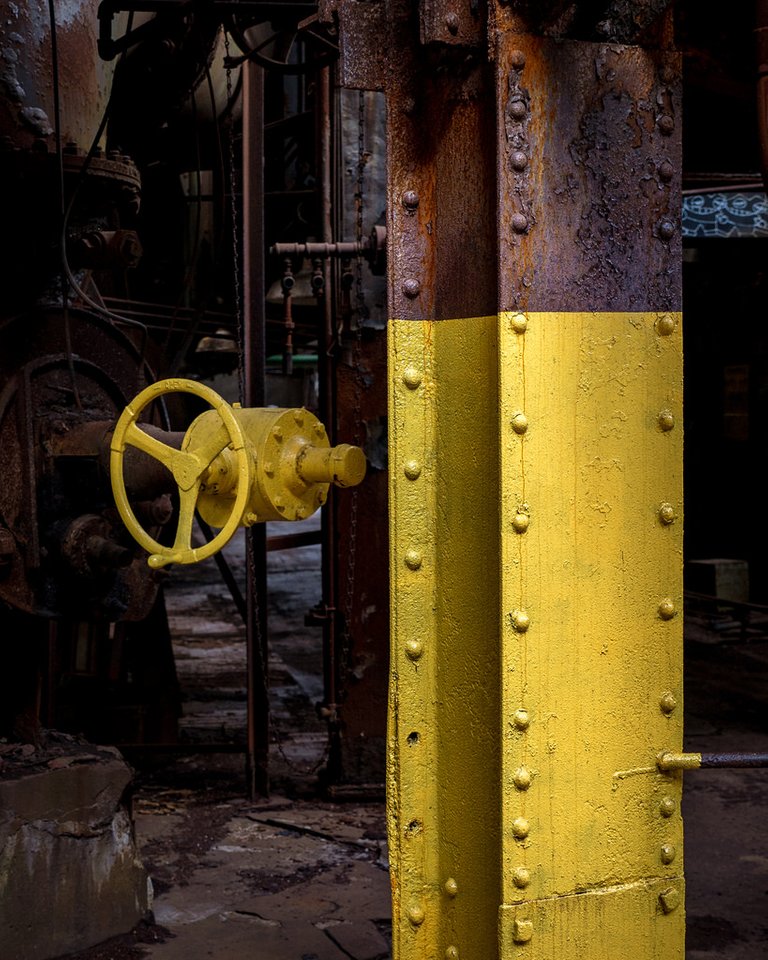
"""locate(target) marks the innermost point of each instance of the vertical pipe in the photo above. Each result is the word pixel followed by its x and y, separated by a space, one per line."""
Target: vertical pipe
pixel 327 369
pixel 254 390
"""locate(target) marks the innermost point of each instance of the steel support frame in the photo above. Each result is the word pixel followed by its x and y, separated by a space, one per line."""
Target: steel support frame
pixel 535 368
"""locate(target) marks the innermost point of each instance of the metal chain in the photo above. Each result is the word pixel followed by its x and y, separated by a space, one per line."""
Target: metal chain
pixel 274 731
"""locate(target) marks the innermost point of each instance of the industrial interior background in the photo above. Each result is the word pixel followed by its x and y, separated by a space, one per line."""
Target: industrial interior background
pixel 223 191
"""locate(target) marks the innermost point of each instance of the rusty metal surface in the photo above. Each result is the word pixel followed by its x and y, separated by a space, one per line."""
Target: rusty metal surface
pixel 362 660
pixel 26 84
pixel 47 388
pixel 615 21
pixel 363 56
pixel 441 212
pixel 588 176
pixel 455 22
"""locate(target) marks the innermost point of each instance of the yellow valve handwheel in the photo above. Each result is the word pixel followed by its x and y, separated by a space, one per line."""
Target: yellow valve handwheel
pixel 187 467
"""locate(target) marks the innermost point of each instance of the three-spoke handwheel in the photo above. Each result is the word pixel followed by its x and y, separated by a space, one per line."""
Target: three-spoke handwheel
pixel 188 468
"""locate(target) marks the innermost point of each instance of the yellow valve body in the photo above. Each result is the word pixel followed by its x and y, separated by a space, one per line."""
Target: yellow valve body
pixel 293 460
pixel 235 467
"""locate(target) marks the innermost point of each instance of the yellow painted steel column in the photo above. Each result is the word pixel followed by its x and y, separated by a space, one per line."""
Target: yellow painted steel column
pixel 536 554
pixel 591 635
pixel 444 749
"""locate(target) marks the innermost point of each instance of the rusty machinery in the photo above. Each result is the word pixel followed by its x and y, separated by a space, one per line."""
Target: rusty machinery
pixel 103 301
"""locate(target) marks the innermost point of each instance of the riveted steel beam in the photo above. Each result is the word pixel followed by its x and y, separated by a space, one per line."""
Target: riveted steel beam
pixel 444 788
pixel 590 628
pixel 535 368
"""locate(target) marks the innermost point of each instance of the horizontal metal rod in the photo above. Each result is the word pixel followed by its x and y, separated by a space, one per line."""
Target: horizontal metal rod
pixel 289 541
pixel 668 761
pixel 350 248
pixel 734 760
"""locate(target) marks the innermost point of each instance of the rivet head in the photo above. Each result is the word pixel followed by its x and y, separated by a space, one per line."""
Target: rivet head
pixel 668 702
pixel 666 124
pixel 519 160
pixel 517 109
pixel 277 433
pixel 521 719
pixel 319 430
pixel 414 649
pixel 667 74
pixel 520 522
pixel 667 609
pixel 520 621
pixel 522 778
pixel 666 420
pixel 520 423
pixel 667 853
pixel 667 514
pixel 519 222
pixel 669 900
pixel 412 469
pixel 413 559
pixel 302 513
pixel 522 931
pixel 411 377
pixel 451 953
pixel 521 878
pixel 667 806
pixel 411 287
pixel 410 200
pixel 520 828
pixel 416 914
pixel 666 171
pixel 298 418
pixel 452 23
pixel 519 322
pixel 250 518
pixel 665 325
pixel 269 468
pixel 517 59
pixel 279 503
pixel 666 229
pixel 451 887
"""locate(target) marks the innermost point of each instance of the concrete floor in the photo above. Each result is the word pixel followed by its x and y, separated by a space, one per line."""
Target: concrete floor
pixel 725 811
pixel 293 878
pixel 298 878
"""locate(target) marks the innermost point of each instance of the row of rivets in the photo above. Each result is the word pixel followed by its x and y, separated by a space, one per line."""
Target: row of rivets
pixel 522 930
pixel 451 889
pixel 411 286
pixel 521 827
pixel 665 121
pixel 518 114
pixel 412 378
pixel 665 327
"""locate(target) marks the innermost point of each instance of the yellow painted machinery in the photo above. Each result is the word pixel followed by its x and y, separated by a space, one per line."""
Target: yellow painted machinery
pixel 236 466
